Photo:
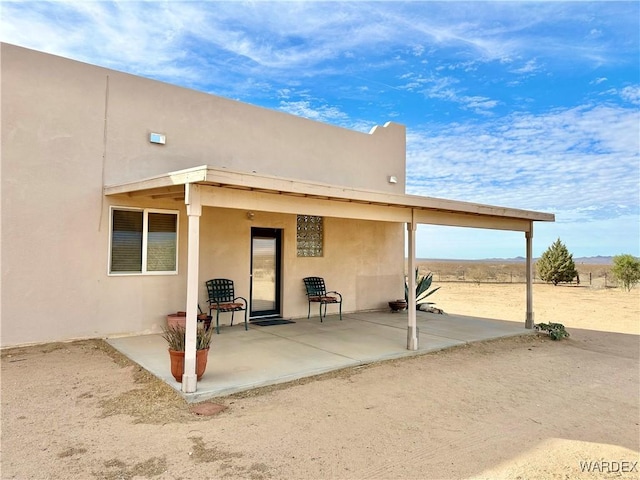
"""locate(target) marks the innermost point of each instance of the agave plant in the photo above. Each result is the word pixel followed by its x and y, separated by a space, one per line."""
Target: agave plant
pixel 423 283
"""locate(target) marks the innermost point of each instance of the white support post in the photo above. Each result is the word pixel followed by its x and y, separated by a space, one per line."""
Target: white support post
pixel 412 329
pixel 194 210
pixel 528 323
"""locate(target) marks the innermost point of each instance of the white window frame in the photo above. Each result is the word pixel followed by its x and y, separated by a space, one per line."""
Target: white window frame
pixel 145 234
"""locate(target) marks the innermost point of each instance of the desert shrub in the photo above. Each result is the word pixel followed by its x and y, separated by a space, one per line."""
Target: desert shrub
pixel 555 330
pixel 478 274
pixel 556 264
pixel 626 270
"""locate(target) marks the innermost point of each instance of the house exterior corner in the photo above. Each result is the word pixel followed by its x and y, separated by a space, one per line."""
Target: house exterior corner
pixel 69 129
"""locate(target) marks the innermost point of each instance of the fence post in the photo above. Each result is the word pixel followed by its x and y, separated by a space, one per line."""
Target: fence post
pixel 589 278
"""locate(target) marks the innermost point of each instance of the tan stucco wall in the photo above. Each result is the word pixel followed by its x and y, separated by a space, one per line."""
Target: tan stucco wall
pixel 204 129
pixel 71 100
pixel 66 293
pixel 362 260
pixel 56 159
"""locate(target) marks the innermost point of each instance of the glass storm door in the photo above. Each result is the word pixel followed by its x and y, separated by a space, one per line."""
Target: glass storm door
pixel 265 272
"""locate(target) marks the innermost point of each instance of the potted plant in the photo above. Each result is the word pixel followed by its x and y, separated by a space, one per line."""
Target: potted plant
pixel 178 319
pixel 398 305
pixel 175 337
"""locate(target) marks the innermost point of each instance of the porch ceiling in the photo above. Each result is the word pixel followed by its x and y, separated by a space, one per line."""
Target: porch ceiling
pixel 402 207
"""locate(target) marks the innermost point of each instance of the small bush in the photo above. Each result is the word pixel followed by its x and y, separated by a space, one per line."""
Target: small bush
pixel 555 330
pixel 626 270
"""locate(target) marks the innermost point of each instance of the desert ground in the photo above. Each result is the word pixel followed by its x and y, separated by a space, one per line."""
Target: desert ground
pixel 520 408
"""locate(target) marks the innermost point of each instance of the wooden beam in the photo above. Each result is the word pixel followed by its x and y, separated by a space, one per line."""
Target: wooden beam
pixel 456 219
pixel 194 211
pixel 529 322
pixel 430 210
pixel 412 328
pixel 268 202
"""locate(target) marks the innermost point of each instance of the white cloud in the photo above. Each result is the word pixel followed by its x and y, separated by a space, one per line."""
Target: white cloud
pixel 321 113
pixel 631 94
pixel 531 66
pixel 595 33
pixel 567 160
pixel 478 104
pixel 418 50
pixel 255 38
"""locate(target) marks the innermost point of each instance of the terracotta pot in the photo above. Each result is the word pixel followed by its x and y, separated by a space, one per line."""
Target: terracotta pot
pixel 177 320
pixel 180 320
pixel 177 363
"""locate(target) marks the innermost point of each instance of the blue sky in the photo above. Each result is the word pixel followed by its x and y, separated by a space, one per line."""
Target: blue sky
pixel 528 105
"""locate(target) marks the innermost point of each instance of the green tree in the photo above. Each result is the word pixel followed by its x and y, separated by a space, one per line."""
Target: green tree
pixel 556 264
pixel 626 269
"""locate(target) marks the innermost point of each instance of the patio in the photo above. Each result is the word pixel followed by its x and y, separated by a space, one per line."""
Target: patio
pixel 241 360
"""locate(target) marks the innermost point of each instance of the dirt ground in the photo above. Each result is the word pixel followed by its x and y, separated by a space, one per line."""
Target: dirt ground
pixel 519 408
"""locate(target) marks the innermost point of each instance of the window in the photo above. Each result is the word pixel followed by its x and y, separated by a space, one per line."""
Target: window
pixel 310 236
pixel 143 241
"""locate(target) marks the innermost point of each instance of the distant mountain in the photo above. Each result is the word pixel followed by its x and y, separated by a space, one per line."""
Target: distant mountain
pixel 598 260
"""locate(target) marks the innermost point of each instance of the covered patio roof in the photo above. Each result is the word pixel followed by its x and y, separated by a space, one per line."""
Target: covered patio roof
pixel 267 193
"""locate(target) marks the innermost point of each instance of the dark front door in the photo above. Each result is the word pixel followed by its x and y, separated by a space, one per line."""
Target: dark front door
pixel 265 272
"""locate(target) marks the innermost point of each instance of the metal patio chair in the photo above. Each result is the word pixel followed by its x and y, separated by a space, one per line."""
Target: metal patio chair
pixel 317 293
pixel 222 299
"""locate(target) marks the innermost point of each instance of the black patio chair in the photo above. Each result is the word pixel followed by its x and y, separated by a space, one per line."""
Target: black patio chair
pixel 222 299
pixel 317 293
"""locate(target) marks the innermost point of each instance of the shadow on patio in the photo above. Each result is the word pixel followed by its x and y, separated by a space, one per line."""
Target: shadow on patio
pixel 240 360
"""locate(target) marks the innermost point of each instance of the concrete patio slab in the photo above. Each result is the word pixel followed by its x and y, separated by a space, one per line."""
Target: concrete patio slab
pixel 241 360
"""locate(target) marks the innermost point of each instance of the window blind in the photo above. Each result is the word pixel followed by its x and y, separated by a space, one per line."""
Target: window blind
pixel 126 241
pixel 161 242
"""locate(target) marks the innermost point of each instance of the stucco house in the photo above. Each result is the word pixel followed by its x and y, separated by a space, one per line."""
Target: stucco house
pixel 122 195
